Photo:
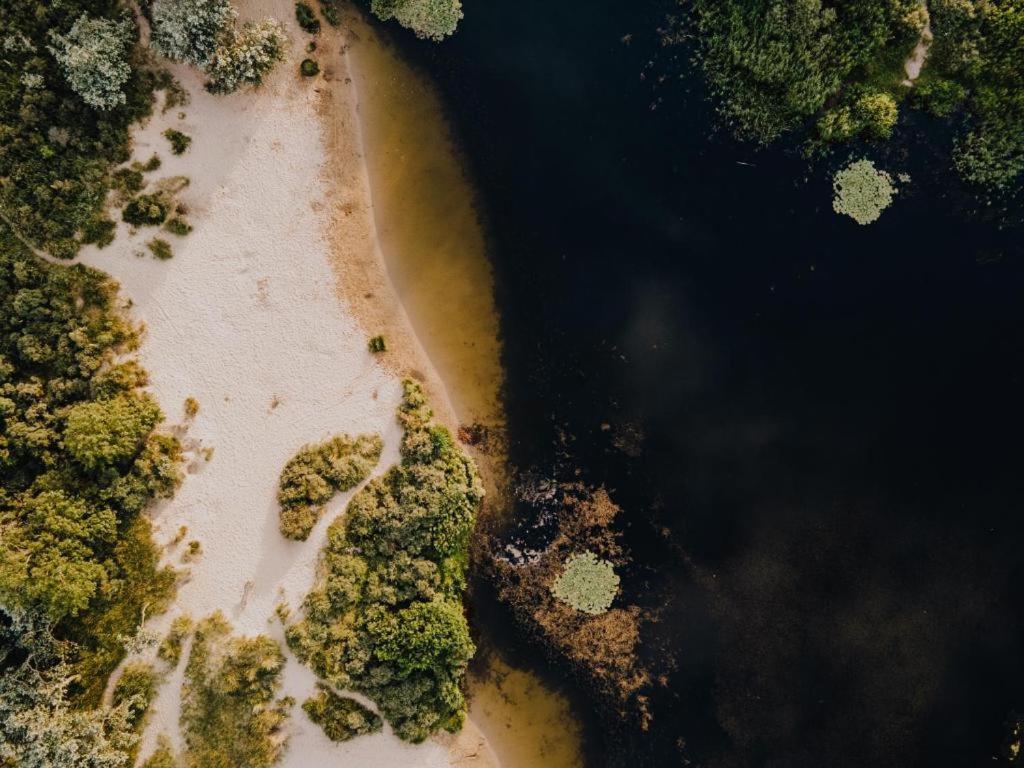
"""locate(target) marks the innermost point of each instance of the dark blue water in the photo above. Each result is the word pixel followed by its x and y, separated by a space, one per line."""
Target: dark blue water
pixel 828 495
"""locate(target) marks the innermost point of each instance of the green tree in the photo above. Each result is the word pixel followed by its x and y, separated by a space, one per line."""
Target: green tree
pixel 104 433
pixel 429 19
pixel 94 58
pixel 191 30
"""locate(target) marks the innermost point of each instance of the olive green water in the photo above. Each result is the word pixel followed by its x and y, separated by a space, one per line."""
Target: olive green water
pixel 434 248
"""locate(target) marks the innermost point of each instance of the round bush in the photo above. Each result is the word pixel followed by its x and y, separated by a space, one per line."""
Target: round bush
pixel 309 68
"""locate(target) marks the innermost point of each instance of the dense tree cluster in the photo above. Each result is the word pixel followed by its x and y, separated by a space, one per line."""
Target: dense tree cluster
pixel 835 69
pixel 316 473
pixel 778 65
pixel 80 460
pixel 67 97
pixel 385 617
pixel 205 33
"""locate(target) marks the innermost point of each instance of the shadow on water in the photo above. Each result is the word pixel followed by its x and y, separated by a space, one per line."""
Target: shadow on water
pixel 827 489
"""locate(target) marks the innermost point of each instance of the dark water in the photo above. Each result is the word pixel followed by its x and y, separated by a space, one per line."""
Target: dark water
pixel 828 493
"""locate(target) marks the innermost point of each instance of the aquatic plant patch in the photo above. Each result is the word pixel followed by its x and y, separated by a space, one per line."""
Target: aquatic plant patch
pixel 587 583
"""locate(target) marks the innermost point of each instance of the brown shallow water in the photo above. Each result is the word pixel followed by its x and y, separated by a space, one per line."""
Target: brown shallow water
pixel 433 244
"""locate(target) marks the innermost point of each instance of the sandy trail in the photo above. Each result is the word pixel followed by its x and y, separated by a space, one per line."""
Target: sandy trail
pixel 246 318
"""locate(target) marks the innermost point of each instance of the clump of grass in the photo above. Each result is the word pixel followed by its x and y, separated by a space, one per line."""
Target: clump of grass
pixel 170 648
pixel 307 19
pixel 193 551
pixel 191 407
pixel 146 210
pixel 127 181
pixel 160 248
pixel 587 583
pixel 309 68
pixel 377 344
pixel 229 713
pixel 341 718
pixel 311 478
pixel 136 687
pixel 330 11
pixel 180 535
pixel 179 141
pixel 149 166
pixel 177 225
pixel 163 757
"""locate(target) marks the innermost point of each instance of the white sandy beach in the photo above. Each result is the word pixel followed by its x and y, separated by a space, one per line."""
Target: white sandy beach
pixel 246 318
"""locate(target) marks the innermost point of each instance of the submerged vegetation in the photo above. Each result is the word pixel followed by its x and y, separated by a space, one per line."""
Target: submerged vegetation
pixel 862 191
pixel 316 473
pixel 587 583
pixel 385 617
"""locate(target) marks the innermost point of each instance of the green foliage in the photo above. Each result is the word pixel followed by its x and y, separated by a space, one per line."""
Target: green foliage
pixel 104 434
pixel 179 141
pixel 776 64
pixel 340 717
pixel 94 59
pixel 163 756
pixel 385 617
pixel 377 345
pixel 99 231
pixel 136 690
pixel 862 191
pixel 170 647
pixel 329 9
pixel 178 225
pixel 587 583
pixel 307 18
pixel 39 725
pixel 309 68
pixel 429 19
pixel 160 248
pixel 146 210
pixel 246 57
pixel 80 461
pixel 979 57
pixel 190 30
pixel 311 478
pixel 56 150
pixel 228 710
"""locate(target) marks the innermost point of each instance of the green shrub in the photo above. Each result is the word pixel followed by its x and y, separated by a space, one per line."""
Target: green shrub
pixel 329 9
pixel 309 68
pixel 341 718
pixel 229 713
pixel 311 478
pixel 150 165
pixel 385 616
pixel 178 225
pixel 136 688
pixel 99 231
pixel 170 648
pixel 179 141
pixel 246 57
pixel 307 18
pixel 429 19
pixel 146 210
pixel 128 181
pixel 377 344
pixel 160 248
pixel 862 191
pixel 163 757
pixel 587 583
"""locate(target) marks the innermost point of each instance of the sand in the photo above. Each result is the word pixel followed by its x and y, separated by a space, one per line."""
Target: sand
pixel 247 318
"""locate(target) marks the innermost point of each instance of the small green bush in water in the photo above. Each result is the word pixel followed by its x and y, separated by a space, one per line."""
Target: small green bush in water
pixel 862 191
pixel 340 717
pixel 588 584
pixel 317 472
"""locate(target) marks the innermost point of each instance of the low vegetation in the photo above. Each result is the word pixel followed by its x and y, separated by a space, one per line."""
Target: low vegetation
pixel 385 617
pixel 316 473
pixel 862 191
pixel 341 718
pixel 309 68
pixel 179 141
pixel 160 248
pixel 306 17
pixel 229 711
pixel 170 648
pixel 377 345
